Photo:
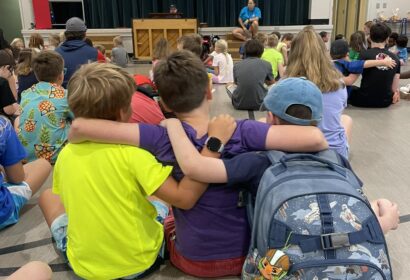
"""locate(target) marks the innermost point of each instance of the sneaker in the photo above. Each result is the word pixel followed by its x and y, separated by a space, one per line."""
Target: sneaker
pixel 405 89
pixel 405 92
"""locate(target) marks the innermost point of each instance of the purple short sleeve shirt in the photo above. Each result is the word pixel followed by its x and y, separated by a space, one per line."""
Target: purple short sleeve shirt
pixel 215 228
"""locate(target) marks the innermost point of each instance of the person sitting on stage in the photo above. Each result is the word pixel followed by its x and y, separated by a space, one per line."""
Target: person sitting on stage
pixel 248 20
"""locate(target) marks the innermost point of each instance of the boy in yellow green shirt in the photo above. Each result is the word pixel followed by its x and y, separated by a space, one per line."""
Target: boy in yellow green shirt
pixel 273 56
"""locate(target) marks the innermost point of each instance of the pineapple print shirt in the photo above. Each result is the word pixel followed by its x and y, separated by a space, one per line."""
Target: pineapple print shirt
pixel 44 121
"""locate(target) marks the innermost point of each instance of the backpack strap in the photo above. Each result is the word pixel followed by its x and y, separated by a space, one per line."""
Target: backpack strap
pixel 370 232
pixel 329 155
pixel 275 156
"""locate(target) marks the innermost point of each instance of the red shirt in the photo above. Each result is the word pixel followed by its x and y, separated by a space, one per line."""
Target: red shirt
pixel 145 110
pixel 100 56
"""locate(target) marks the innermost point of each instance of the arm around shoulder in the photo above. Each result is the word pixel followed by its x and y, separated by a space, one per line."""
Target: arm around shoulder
pixel 293 138
pixel 104 131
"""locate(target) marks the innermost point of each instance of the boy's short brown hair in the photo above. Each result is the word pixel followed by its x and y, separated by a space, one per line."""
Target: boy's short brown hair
pixel 273 41
pixel 298 111
pixel 118 41
pixel 48 66
pixel 262 38
pixel 191 43
pixel 182 81
pixel 101 91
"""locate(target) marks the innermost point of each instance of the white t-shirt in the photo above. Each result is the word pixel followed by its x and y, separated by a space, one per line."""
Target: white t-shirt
pixel 225 64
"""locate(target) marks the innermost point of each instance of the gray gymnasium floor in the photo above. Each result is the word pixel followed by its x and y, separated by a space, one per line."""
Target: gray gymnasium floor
pixel 379 155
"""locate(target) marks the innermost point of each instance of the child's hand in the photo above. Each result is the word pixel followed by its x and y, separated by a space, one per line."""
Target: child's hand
pixel 389 211
pixel 5 72
pixel 389 62
pixel 222 127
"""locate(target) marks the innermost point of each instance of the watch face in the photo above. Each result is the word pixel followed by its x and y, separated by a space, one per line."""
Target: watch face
pixel 214 144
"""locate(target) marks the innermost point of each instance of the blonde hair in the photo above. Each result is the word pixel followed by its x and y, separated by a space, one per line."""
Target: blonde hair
pixel 273 41
pixel 309 58
pixel 117 41
pixel 54 40
pixel 161 49
pixel 62 36
pixel 223 46
pixel 15 41
pixel 36 41
pixel 25 61
pixel 262 38
pixel 100 90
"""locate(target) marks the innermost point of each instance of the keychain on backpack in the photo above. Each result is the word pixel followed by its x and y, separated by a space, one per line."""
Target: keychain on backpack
pixel 275 265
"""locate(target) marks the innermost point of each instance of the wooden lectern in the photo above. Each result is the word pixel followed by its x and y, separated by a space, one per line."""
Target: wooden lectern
pixel 147 32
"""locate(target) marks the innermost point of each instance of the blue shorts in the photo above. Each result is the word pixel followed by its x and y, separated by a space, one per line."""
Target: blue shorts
pixel 59 232
pixel 21 193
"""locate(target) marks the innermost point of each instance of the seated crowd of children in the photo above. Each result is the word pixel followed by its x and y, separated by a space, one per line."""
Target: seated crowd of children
pixel 132 186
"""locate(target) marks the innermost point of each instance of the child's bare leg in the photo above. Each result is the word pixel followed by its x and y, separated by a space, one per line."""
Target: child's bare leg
pixel 36 173
pixel 347 123
pixel 51 206
pixel 387 213
pixel 32 270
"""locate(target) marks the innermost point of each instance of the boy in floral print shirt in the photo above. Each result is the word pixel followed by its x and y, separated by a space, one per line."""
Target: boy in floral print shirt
pixel 45 119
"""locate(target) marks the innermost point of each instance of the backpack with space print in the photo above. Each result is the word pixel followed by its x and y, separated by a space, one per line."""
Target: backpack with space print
pixel 311 221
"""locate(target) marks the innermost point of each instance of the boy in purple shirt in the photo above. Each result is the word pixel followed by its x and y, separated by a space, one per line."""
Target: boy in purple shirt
pixel 212 238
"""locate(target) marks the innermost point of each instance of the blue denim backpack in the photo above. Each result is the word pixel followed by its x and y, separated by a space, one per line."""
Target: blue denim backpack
pixel 311 221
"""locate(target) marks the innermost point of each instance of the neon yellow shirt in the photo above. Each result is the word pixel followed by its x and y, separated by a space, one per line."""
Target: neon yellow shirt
pixel 274 57
pixel 112 231
pixel 280 46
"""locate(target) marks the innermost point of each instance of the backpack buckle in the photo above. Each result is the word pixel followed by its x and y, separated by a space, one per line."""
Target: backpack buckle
pixel 332 241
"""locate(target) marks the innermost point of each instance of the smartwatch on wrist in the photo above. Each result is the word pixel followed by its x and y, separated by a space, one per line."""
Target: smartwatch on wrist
pixel 214 145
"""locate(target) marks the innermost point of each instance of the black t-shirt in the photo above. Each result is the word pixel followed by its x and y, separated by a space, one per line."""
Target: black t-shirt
pixel 25 82
pixel 6 95
pixel 375 89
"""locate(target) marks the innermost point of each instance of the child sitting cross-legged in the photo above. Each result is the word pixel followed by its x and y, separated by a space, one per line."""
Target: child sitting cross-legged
pixel 274 57
pixel 222 64
pixel 98 210
pixel 45 119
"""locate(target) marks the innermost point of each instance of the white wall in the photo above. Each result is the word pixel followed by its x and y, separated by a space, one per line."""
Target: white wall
pixel 321 9
pixel 387 6
pixel 26 12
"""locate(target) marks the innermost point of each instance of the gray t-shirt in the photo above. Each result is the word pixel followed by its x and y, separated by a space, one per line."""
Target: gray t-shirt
pixel 119 56
pixel 250 75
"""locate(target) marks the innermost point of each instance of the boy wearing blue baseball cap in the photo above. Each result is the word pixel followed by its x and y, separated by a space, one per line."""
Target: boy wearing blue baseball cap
pixel 292 101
